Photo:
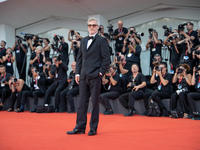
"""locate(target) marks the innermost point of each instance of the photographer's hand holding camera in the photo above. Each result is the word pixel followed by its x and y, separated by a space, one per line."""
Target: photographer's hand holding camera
pixel 9 60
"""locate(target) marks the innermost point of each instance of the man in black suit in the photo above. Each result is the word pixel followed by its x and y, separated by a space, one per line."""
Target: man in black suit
pixel 92 62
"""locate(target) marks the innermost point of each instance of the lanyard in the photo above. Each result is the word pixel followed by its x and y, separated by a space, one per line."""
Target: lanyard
pixel 186 52
pixel 154 44
pixel 180 79
pixel 124 65
pixel 9 58
pixel 160 80
pixel 189 32
pixel 4 76
pixel 120 31
pixel 60 47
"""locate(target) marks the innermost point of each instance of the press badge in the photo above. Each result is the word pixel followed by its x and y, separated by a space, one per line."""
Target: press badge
pixel 40 65
pixel 172 72
pixel 198 86
pixel 179 86
pixel 129 55
pixel 185 57
pixel 120 75
pixel 8 64
pixel 2 85
pixel 109 87
pixel 17 51
pixel 56 75
pixel 153 49
pixel 159 87
pixel 120 38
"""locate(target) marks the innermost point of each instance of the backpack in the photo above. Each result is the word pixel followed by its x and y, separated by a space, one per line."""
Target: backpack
pixel 154 109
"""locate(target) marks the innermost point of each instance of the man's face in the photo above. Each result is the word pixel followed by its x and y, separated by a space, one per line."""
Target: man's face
pixel 102 29
pixel 48 63
pixel 2 44
pixel 123 59
pixel 112 70
pixel 73 66
pixel 189 27
pixel 134 68
pixel 92 27
pixel 55 60
pixel 163 68
pixel 120 24
pixel 158 58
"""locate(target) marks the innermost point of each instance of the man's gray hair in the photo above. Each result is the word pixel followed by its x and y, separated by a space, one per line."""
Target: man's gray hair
pixel 92 19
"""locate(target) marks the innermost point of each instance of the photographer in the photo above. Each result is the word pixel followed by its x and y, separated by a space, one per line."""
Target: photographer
pixel 163 80
pixel 38 89
pixel 4 88
pixel 132 51
pixel 171 42
pixel 17 86
pixel 195 96
pixel 35 45
pixel 133 34
pixel 3 48
pixel 137 84
pixel 75 45
pixel 36 59
pixel 114 89
pixel 119 35
pixel 46 71
pixel 191 34
pixel 154 44
pixel 186 53
pixel 20 54
pixel 64 50
pixel 46 48
pixel 196 56
pixel 58 70
pixel 71 91
pixel 74 33
pixel 8 61
pixel 124 70
pixel 183 81
pixel 101 31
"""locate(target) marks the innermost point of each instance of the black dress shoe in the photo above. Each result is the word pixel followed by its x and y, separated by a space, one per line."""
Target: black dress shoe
pixel 92 132
pixel 20 110
pixel 10 109
pixel 108 112
pixel 75 131
pixel 34 110
pixel 56 110
pixel 130 113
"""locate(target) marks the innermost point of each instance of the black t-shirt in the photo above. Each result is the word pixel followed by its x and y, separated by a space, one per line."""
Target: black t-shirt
pixel 38 63
pixel 155 48
pixel 174 56
pixel 2 52
pixel 133 57
pixel 64 52
pixel 60 73
pixel 9 66
pixel 117 31
pixel 72 77
pixel 117 87
pixel 161 87
pixel 19 53
pixel 195 41
pixel 138 80
pixel 127 66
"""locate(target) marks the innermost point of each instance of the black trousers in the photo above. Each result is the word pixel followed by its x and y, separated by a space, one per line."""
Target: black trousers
pixel 157 96
pixel 128 99
pixel 88 88
pixel 70 93
pixel 104 99
pixel 5 93
pixel 55 89
pixel 34 94
pixel 124 82
pixel 22 71
pixel 195 96
pixel 183 102
pixel 15 96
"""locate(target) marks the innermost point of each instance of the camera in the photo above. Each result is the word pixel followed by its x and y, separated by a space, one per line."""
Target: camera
pixel 130 88
pixel 150 32
pixel 27 36
pixel 180 70
pixel 181 27
pixel 110 29
pixel 168 31
pixel 197 52
pixel 13 80
pixel 138 34
pixel 9 52
pixel 175 35
pixel 3 80
pixel 72 32
pixel 74 44
pixel 119 57
pixel 128 41
pixel 48 65
pixel 157 68
pixel 58 59
pixel 197 69
pixel 131 31
pixel 19 39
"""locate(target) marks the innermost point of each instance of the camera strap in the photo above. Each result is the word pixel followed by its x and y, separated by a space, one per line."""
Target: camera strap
pixel 3 77
pixel 154 44
pixel 179 80
pixel 189 32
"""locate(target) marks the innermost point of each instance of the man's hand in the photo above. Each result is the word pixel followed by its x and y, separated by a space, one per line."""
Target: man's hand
pixel 136 88
pixel 108 74
pixel 77 79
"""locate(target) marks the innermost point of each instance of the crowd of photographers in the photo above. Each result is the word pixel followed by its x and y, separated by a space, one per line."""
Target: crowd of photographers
pixel 123 80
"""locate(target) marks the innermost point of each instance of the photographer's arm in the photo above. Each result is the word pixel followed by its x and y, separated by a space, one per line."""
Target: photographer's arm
pixel 12 59
pixel 188 79
pixel 193 77
pixel 69 39
pixel 46 48
pixel 104 80
pixel 122 70
pixel 156 40
pixel 77 35
pixel 20 85
pixel 24 49
pixel 12 88
pixel 166 41
pixel 33 60
pixel 138 40
pixel 13 48
pixel 148 45
pixel 187 36
pixel 113 81
pixel 31 45
pixel 163 81
pixel 153 80
pixel 175 77
pixel 142 85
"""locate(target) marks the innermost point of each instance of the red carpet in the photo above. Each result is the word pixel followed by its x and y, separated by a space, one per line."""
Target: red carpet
pixel 32 131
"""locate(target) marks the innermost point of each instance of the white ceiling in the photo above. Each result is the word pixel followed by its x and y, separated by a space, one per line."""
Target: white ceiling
pixel 19 13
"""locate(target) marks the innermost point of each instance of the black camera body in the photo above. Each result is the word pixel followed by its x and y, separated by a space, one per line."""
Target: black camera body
pixel 180 70
pixel 13 80
pixel 28 36
pixel 157 68
pixel 197 69
pixel 72 32
pixel 181 27
pixel 128 41
pixel 197 52
pixel 110 29
pixel 168 31
pixel 150 32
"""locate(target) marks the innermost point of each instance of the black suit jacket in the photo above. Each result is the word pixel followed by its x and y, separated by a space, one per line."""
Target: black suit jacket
pixel 95 59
